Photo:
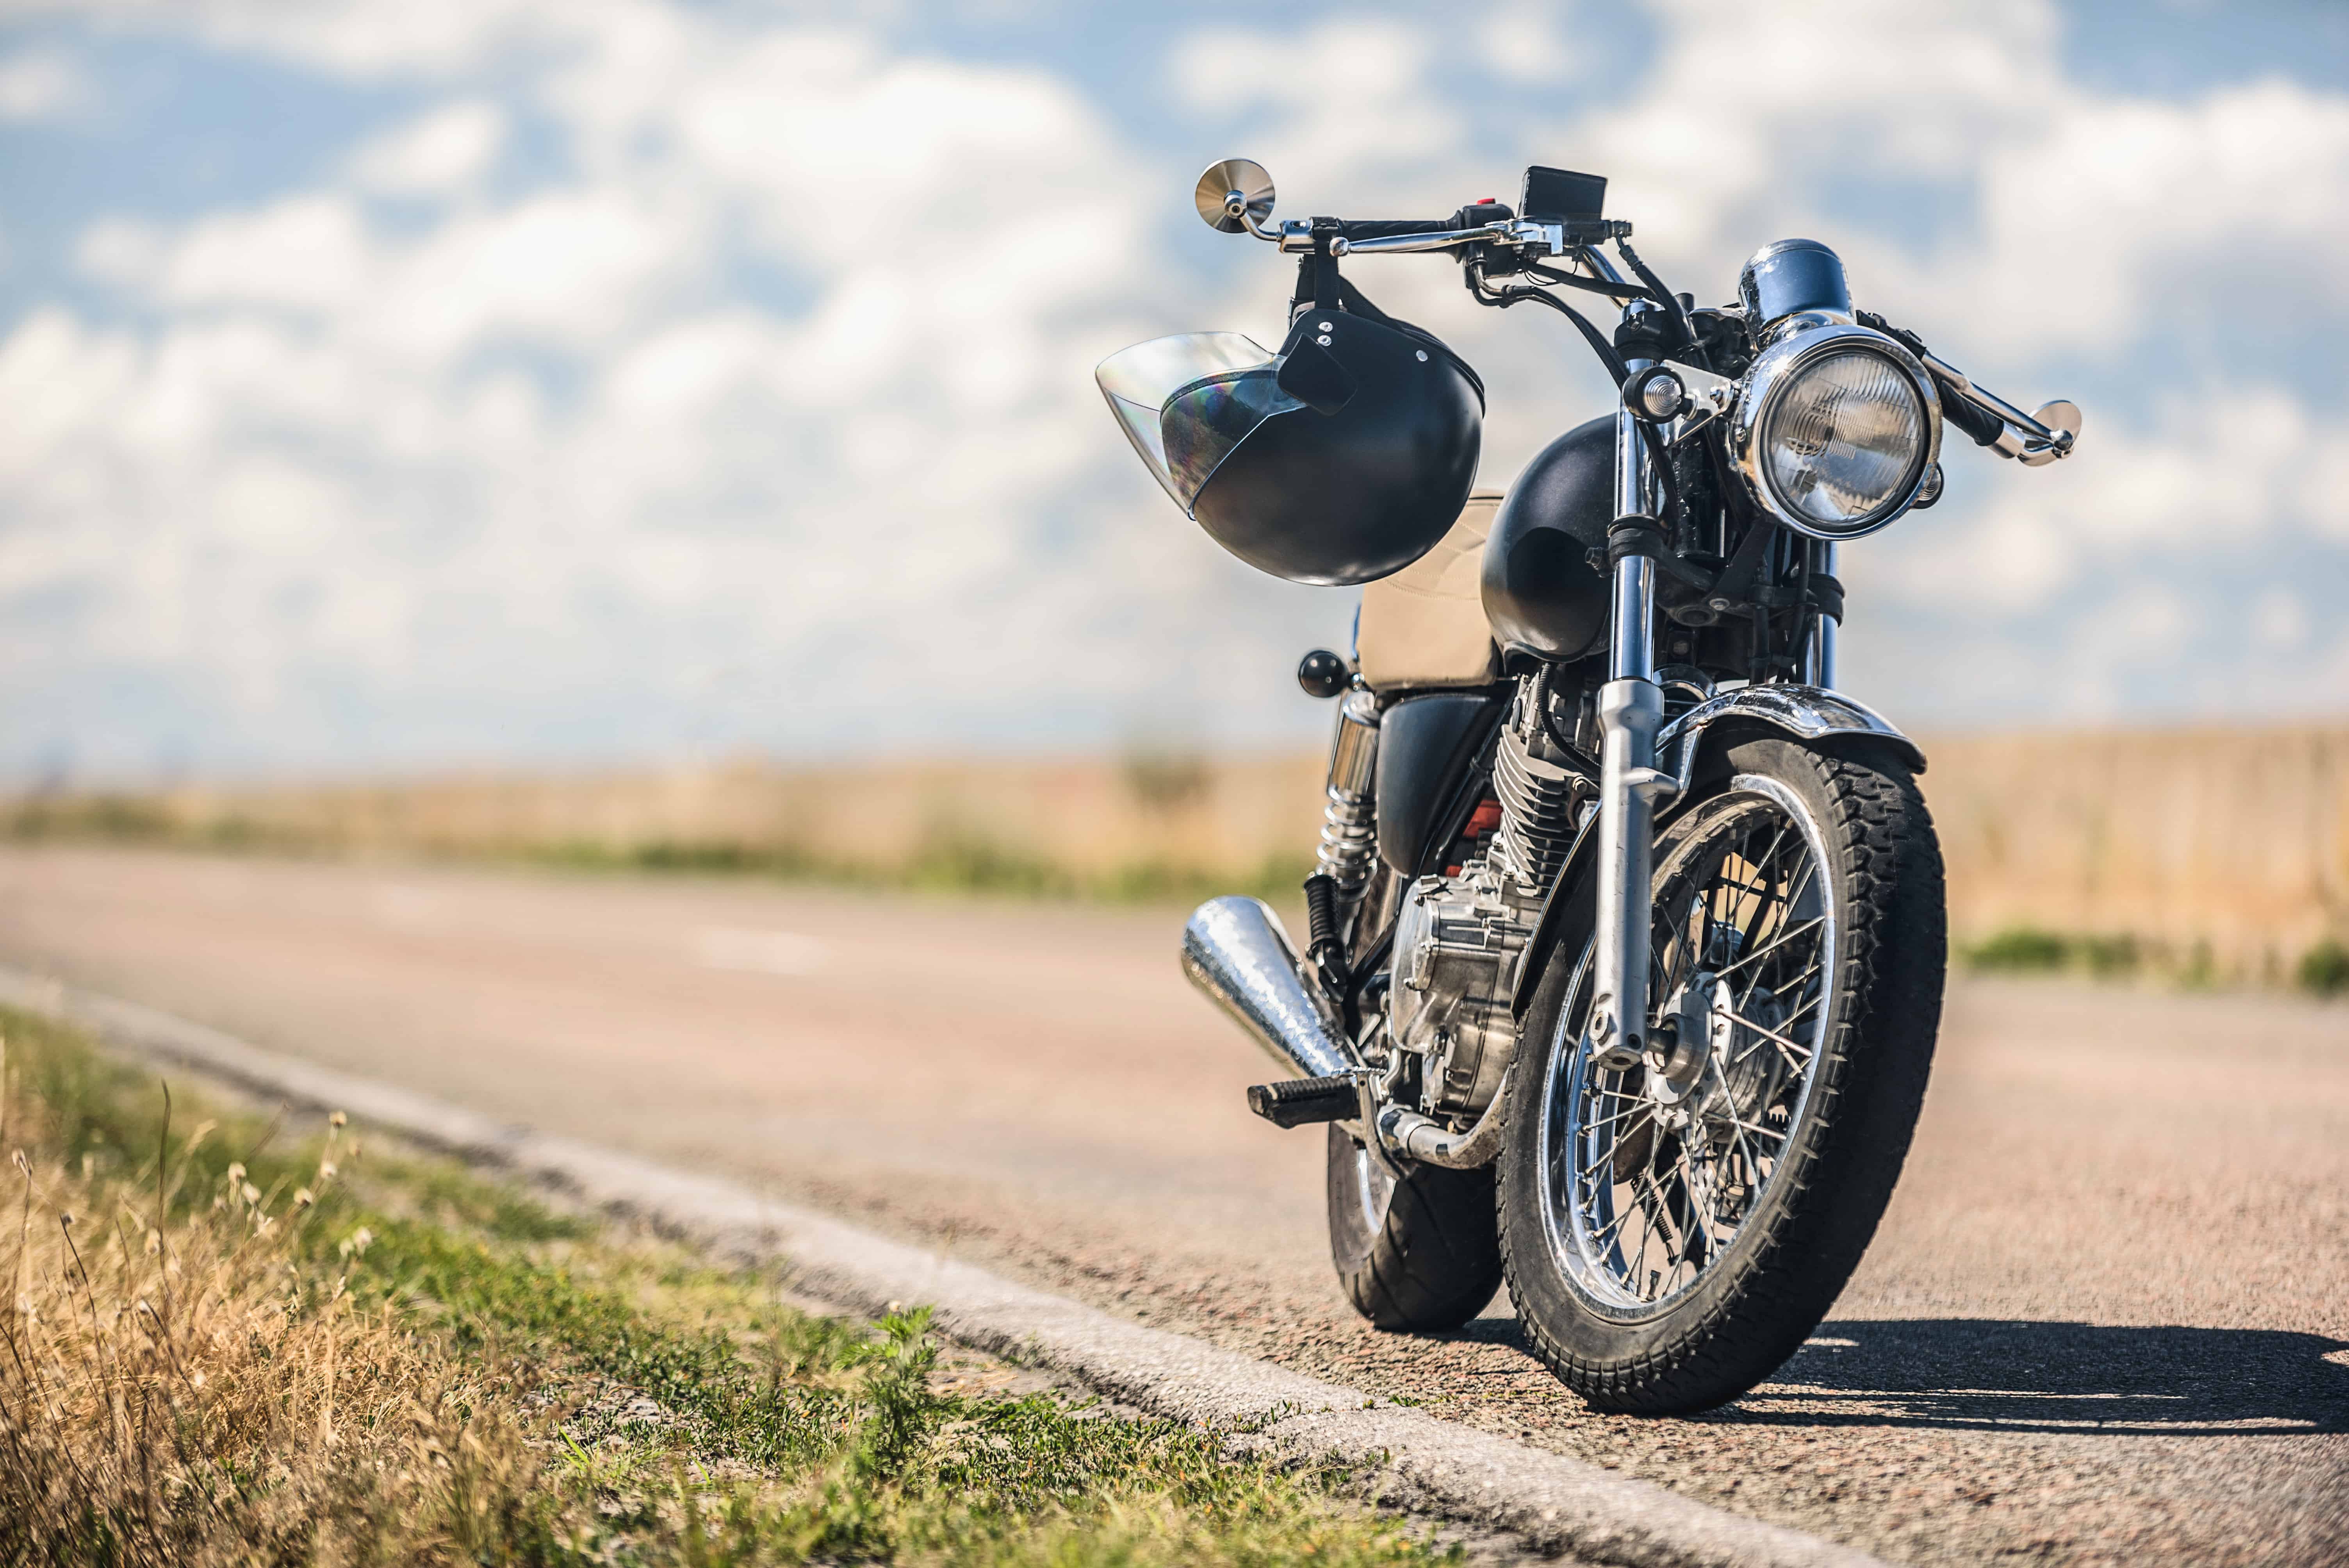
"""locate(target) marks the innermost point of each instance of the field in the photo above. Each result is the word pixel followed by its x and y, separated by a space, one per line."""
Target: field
pixel 2205 856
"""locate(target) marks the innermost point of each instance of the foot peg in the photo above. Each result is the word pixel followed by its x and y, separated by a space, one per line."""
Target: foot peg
pixel 1296 1101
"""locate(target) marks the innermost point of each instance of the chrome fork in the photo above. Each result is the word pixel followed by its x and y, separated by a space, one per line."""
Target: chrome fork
pixel 1631 711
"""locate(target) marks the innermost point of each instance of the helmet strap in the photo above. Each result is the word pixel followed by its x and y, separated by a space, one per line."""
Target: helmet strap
pixel 1319 285
pixel 1318 282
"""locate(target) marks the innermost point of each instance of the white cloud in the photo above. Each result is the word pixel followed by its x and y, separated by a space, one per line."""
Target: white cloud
pixel 366 37
pixel 445 150
pixel 329 478
pixel 308 252
pixel 523 471
pixel 1524 43
pixel 1351 104
pixel 2225 472
pixel 41 83
pixel 2279 619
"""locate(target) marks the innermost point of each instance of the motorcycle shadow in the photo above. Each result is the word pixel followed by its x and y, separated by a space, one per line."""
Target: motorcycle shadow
pixel 1994 1375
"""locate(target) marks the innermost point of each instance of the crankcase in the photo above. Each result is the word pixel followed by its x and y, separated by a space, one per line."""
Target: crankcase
pixel 1457 943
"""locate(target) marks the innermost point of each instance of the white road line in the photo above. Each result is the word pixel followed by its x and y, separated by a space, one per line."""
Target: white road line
pixel 1558 1504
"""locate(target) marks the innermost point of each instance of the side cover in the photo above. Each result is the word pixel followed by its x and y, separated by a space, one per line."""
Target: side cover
pixel 1425 626
pixel 1427 745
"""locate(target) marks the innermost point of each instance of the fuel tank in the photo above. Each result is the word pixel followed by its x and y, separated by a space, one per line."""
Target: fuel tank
pixel 1542 594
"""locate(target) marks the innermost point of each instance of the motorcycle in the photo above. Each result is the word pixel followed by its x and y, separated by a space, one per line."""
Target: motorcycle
pixel 1627 938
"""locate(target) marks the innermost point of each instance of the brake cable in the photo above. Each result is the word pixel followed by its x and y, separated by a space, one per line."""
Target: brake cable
pixel 1658 452
pixel 1501 299
pixel 1669 300
pixel 1590 285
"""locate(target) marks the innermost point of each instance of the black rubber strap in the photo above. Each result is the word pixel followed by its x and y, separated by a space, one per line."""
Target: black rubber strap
pixel 1827 595
pixel 1630 536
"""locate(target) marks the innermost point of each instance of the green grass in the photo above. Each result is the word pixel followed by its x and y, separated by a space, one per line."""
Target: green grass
pixel 944 863
pixel 2025 949
pixel 949 860
pixel 486 1366
pixel 2323 971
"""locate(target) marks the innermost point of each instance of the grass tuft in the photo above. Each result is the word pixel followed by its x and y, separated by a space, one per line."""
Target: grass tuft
pixel 231 1346
pixel 2323 969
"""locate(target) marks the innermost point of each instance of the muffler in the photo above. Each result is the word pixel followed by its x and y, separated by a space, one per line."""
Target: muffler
pixel 1235 951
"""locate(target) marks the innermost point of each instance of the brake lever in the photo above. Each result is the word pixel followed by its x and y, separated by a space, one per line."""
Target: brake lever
pixel 2033 439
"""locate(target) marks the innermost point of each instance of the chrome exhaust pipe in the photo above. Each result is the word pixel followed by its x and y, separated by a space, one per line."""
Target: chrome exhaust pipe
pixel 1235 951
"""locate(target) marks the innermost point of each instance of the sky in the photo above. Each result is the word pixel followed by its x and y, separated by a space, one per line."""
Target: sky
pixel 389 386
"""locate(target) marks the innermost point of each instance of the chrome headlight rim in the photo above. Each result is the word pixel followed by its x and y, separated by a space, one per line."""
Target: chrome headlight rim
pixel 1773 370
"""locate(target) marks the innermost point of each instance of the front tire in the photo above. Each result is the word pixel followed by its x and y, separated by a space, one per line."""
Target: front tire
pixel 1418 1255
pixel 1673 1231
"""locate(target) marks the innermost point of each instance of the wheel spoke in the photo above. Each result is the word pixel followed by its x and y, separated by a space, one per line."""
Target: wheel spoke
pixel 1769 1033
pixel 1731 1118
pixel 1736 1129
pixel 1775 943
pixel 1736 900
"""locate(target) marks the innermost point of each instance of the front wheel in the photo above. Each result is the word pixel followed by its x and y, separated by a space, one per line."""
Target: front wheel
pixel 1673 1230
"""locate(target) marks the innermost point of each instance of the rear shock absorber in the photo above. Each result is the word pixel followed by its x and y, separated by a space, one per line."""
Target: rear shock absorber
pixel 1349 832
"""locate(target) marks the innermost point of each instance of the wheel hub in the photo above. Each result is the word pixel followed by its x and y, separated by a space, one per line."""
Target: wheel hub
pixel 1682 1041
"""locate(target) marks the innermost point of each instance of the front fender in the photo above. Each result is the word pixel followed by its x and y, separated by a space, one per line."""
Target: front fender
pixel 1807 713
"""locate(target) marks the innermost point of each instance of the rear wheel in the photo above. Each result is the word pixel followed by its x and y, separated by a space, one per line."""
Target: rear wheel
pixel 1674 1229
pixel 1420 1254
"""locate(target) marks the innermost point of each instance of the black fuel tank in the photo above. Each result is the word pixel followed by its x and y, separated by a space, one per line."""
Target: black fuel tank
pixel 1542 594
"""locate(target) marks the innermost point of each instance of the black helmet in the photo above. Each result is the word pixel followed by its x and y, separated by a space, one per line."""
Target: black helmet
pixel 1341 458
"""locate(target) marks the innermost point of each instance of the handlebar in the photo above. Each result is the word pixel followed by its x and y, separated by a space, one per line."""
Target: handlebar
pixel 2040 437
pixel 2032 438
pixel 1374 236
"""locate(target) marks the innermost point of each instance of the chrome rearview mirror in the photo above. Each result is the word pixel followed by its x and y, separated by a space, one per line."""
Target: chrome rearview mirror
pixel 2061 417
pixel 1235 196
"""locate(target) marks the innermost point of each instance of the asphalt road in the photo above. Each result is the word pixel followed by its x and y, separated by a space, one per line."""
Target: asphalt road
pixel 2106 1319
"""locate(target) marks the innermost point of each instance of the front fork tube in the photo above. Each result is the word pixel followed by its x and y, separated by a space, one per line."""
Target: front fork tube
pixel 1820 661
pixel 1631 711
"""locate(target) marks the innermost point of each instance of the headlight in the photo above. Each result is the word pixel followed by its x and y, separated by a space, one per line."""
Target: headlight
pixel 1837 428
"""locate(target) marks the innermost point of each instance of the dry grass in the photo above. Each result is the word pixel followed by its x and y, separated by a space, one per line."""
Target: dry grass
pixel 187 1376
pixel 2214 856
pixel 224 1353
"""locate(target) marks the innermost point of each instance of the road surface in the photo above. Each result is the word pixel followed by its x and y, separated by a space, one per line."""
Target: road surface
pixel 2105 1321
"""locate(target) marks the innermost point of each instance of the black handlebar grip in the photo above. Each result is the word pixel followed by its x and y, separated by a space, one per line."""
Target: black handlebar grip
pixel 1388 228
pixel 1982 425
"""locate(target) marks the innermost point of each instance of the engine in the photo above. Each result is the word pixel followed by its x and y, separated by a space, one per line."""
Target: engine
pixel 1460 937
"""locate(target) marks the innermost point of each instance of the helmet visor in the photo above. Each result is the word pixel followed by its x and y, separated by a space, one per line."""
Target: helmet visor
pixel 1186 402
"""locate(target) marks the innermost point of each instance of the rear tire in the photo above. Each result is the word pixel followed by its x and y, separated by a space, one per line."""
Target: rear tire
pixel 1419 1255
pixel 1674 1229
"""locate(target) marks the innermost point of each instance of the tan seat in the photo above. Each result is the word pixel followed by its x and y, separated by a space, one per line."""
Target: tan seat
pixel 1425 626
